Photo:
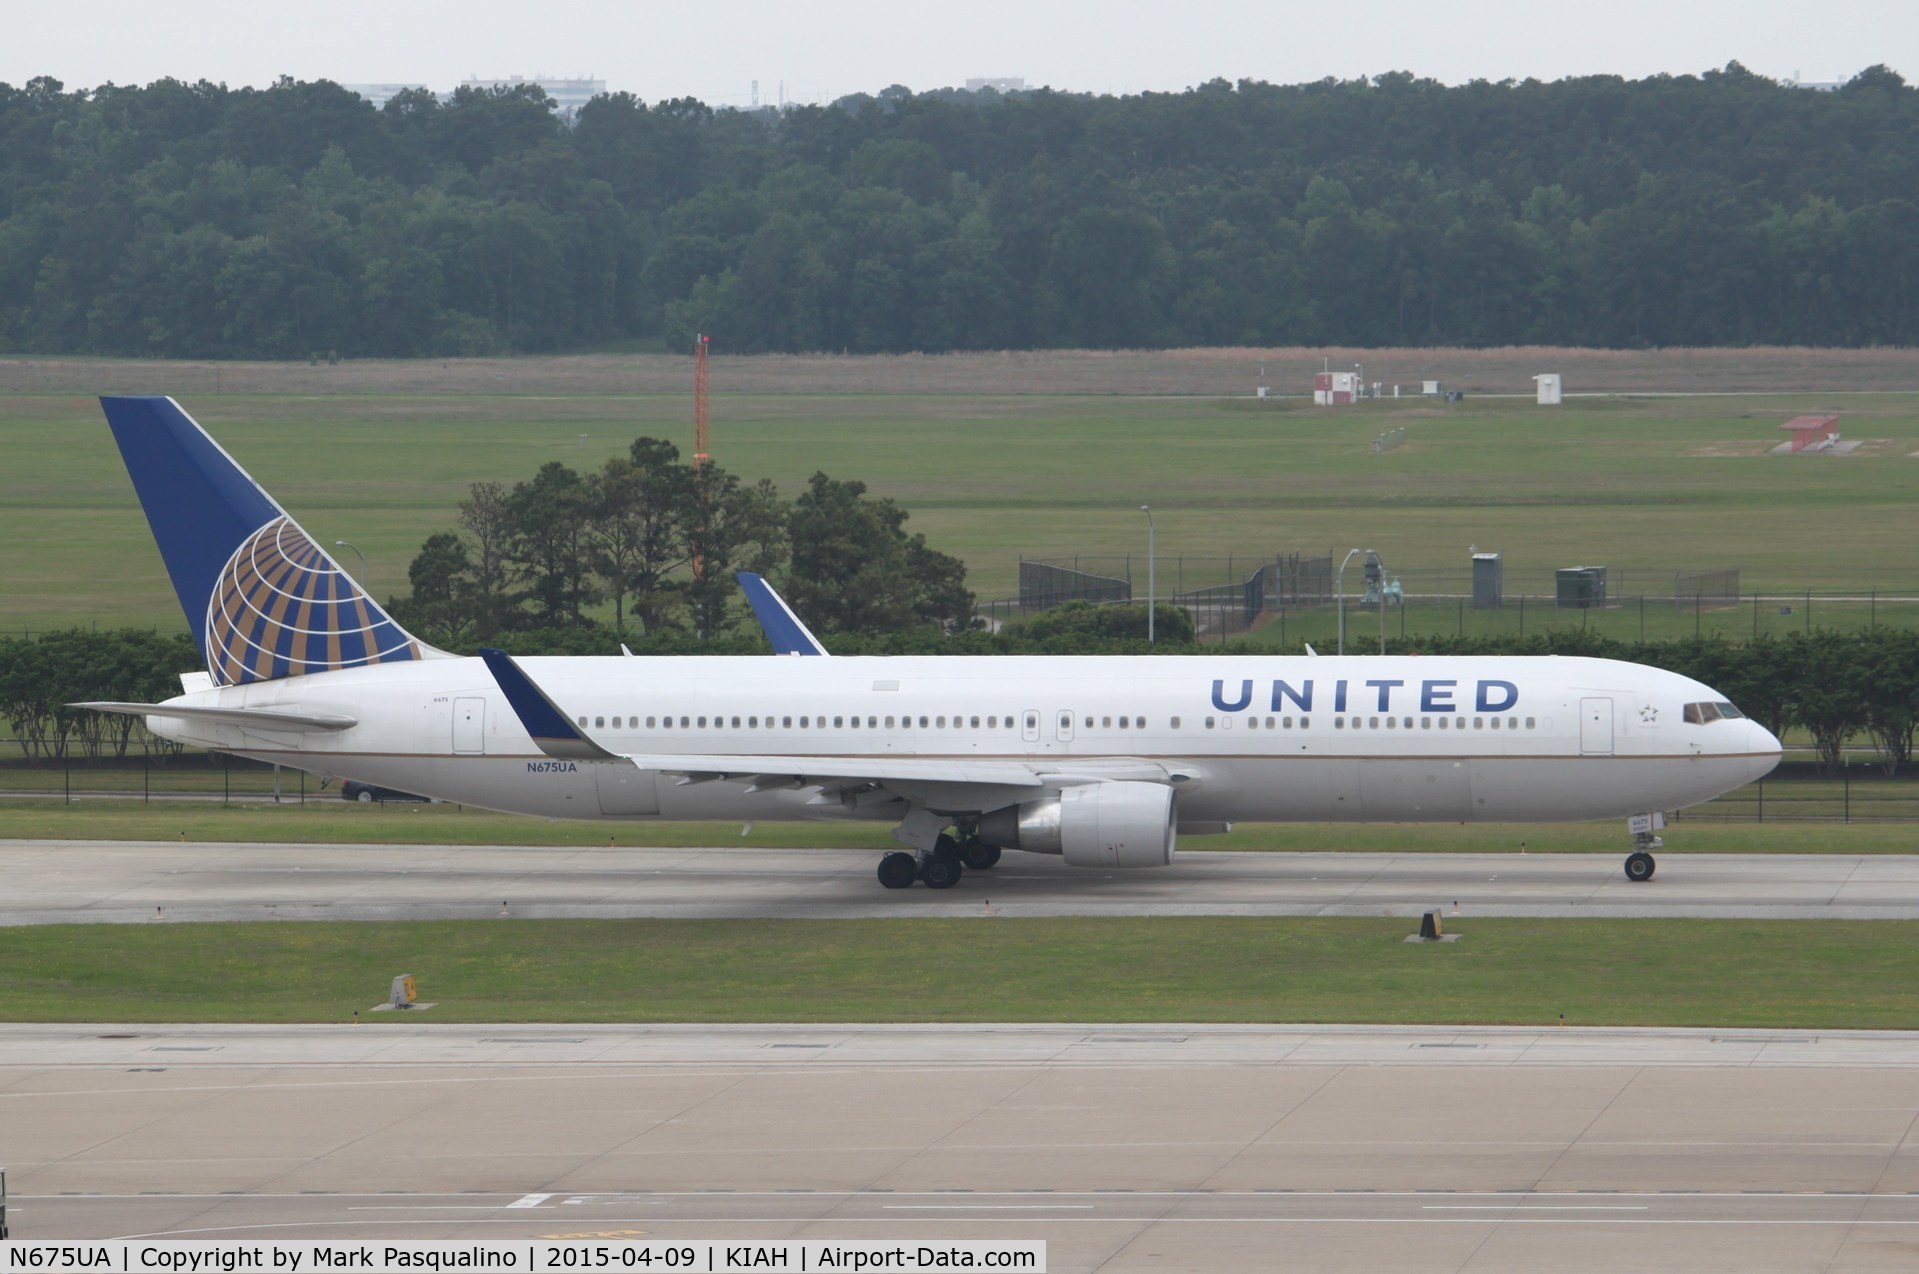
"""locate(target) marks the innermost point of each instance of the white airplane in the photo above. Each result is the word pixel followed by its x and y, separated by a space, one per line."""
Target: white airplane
pixel 1103 760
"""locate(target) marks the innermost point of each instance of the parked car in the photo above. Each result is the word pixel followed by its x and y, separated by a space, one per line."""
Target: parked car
pixel 354 790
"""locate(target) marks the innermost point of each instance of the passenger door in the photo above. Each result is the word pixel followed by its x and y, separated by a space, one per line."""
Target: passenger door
pixel 1595 727
pixel 469 726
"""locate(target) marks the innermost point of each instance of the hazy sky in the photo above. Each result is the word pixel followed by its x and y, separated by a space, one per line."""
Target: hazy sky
pixel 826 48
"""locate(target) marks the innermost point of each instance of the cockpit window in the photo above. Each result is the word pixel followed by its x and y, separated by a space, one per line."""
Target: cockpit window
pixel 1706 713
pixel 1729 712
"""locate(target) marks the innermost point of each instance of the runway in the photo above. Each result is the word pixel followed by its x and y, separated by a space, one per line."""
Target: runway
pixel 1183 1147
pixel 136 883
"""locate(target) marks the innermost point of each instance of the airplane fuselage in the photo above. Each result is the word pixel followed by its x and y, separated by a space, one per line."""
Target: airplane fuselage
pixel 1244 738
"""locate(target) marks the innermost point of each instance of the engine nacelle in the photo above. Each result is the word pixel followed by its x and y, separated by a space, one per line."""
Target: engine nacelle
pixel 1092 825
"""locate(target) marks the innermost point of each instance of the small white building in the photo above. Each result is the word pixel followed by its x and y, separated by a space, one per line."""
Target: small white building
pixel 1550 390
pixel 1335 389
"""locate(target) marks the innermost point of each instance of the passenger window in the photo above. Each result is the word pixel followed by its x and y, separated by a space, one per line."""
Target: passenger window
pixel 1175 723
pixel 1339 723
pixel 650 722
pixel 1305 723
pixel 1209 723
pixel 1495 723
pixel 922 723
pixel 1286 722
pixel 598 722
pixel 736 723
pixel 889 723
pixel 941 722
pixel 872 723
pixel 1124 722
pixel 787 722
pixel 803 721
pixel 976 723
pixel 1529 723
pixel 839 723
pixel 1479 723
pixel 1372 723
pixel 1408 723
pixel 582 723
pixel 1512 723
pixel 1252 723
pixel 1425 723
pixel 992 723
pixel 1390 723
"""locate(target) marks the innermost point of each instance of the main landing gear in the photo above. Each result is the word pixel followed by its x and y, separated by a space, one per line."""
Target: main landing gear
pixel 942 866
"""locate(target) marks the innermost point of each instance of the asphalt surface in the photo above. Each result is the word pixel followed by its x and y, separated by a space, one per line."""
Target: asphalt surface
pixel 1186 1147
pixel 135 883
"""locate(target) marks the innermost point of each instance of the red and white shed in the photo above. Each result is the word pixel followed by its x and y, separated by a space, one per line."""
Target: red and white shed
pixel 1812 432
pixel 1332 389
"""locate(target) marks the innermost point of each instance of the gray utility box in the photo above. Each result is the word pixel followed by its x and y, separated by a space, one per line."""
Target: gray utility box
pixel 1488 581
pixel 1581 587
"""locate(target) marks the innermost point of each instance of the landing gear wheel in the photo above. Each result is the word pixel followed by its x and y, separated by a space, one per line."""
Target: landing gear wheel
pixel 978 857
pixel 1640 866
pixel 899 871
pixel 941 871
pixel 365 797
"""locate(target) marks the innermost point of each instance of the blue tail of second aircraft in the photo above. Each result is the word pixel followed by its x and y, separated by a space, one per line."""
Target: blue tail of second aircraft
pixel 263 599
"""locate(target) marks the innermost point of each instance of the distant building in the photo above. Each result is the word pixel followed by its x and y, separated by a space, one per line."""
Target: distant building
pixel 999 84
pixel 380 94
pixel 570 94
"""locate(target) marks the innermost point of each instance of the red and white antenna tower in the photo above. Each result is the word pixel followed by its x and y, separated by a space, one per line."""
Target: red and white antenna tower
pixel 700 454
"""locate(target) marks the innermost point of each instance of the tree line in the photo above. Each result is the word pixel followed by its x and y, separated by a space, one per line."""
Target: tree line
pixel 1843 689
pixel 659 541
pixel 194 220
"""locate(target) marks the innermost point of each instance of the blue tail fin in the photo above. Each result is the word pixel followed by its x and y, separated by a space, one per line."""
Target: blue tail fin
pixel 263 599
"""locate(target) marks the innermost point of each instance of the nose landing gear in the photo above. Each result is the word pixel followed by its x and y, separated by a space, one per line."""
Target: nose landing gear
pixel 1639 864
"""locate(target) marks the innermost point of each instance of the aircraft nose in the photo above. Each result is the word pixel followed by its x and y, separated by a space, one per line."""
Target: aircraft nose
pixel 1763 749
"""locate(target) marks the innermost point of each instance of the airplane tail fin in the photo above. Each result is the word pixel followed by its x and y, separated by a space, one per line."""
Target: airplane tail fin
pixel 263 599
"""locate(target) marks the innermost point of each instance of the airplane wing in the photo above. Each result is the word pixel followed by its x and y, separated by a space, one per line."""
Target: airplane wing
pixel 258 718
pixel 782 627
pixel 955 780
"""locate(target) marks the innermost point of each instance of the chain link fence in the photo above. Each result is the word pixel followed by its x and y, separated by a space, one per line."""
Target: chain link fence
pixel 1294 598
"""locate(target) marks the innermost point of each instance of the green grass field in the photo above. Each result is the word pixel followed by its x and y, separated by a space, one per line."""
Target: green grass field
pixel 1809 974
pixel 1645 486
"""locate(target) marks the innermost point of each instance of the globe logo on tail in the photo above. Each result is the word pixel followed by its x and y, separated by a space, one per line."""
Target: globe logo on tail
pixel 283 608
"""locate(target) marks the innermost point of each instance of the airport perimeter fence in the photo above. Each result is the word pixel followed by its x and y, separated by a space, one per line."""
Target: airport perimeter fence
pixel 152 774
pixel 1292 598
pixel 1856 794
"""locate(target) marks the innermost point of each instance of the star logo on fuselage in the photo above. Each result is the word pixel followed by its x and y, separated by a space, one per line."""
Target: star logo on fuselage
pixel 1649 714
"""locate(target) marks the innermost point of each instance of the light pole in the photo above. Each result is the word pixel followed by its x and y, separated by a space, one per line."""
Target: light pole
pixel 1339 587
pixel 1151 600
pixel 348 544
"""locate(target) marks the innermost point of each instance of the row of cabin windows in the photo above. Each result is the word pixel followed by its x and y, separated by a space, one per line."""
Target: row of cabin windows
pixel 996 722
pixel 806 723
pixel 1391 723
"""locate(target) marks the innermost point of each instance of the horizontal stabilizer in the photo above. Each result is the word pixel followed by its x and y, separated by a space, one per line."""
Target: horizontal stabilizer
pixel 256 718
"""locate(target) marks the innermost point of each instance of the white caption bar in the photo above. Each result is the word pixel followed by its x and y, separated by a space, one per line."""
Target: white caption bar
pixel 570 1255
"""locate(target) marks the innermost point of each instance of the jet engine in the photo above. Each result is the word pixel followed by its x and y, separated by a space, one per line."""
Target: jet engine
pixel 1091 825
